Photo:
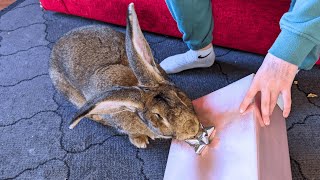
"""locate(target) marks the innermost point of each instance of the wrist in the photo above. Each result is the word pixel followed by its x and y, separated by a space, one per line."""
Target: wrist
pixel 281 66
pixel 283 62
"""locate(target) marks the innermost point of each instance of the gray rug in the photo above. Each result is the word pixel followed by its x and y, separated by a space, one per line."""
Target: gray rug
pixel 35 142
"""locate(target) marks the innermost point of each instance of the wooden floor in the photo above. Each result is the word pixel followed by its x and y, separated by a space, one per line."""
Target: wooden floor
pixel 5 3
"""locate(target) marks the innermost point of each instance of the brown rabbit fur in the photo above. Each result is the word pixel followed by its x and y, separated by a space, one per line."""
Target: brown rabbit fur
pixel 114 80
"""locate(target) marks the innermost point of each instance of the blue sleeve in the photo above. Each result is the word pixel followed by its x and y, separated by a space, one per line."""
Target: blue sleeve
pixel 299 40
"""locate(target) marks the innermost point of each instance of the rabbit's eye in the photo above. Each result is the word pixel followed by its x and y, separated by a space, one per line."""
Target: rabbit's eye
pixel 157 116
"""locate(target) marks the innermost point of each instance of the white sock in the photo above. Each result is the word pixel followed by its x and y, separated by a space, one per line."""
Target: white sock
pixel 190 59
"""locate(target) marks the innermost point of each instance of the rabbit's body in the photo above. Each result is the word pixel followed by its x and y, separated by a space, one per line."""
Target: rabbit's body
pixel 96 53
pixel 108 67
pixel 114 80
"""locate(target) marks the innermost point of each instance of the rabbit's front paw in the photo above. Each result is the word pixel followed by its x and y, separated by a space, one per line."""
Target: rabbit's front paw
pixel 140 141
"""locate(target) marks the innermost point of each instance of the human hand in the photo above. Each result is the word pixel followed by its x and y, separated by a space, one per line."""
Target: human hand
pixel 274 76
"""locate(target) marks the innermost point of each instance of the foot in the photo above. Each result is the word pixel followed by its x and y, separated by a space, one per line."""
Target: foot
pixel 140 141
pixel 189 60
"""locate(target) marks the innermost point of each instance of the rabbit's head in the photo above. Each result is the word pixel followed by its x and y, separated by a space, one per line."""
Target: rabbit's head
pixel 166 110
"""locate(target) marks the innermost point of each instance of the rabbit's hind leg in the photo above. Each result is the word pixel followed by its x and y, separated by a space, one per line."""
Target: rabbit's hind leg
pixel 67 89
pixel 140 141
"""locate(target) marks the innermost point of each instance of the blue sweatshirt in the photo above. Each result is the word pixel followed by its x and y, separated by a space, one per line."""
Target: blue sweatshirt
pixel 299 40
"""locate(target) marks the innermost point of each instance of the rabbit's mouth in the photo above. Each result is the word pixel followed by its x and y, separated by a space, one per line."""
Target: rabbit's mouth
pixel 203 131
pixel 161 135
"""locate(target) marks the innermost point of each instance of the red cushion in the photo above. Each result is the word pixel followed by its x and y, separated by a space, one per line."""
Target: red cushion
pixel 245 25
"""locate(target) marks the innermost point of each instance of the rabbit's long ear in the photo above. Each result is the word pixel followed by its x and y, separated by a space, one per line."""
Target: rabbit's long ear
pixel 110 102
pixel 139 53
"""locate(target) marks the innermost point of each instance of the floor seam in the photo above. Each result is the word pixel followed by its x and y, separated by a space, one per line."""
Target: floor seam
pixel 223 73
pixel 26 118
pixel 142 164
pixel 23 50
pixel 34 168
pixel 303 122
pixel 93 145
pixel 23 80
pixel 299 168
pixel 26 26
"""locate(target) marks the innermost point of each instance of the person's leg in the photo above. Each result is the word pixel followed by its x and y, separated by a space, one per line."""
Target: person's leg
pixel 195 22
pixel 194 19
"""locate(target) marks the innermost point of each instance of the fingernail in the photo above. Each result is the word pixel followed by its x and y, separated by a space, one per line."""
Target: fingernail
pixel 267 123
pixel 241 111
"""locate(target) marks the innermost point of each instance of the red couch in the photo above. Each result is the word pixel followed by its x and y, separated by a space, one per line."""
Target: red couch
pixel 247 25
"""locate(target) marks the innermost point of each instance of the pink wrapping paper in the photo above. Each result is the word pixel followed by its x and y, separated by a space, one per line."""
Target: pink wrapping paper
pixel 242 148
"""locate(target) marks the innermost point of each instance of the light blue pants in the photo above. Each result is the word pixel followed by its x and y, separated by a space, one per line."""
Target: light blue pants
pixel 194 19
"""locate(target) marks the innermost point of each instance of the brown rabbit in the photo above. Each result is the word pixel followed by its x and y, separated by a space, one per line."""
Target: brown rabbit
pixel 114 80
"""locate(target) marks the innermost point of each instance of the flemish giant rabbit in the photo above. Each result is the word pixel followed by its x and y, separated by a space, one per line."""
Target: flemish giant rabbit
pixel 114 80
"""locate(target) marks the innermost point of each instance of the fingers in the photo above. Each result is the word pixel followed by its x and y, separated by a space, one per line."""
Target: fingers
pixel 273 101
pixel 265 106
pixel 248 98
pixel 249 108
pixel 286 95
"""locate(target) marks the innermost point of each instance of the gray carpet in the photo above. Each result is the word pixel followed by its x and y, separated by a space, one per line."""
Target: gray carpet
pixel 35 142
